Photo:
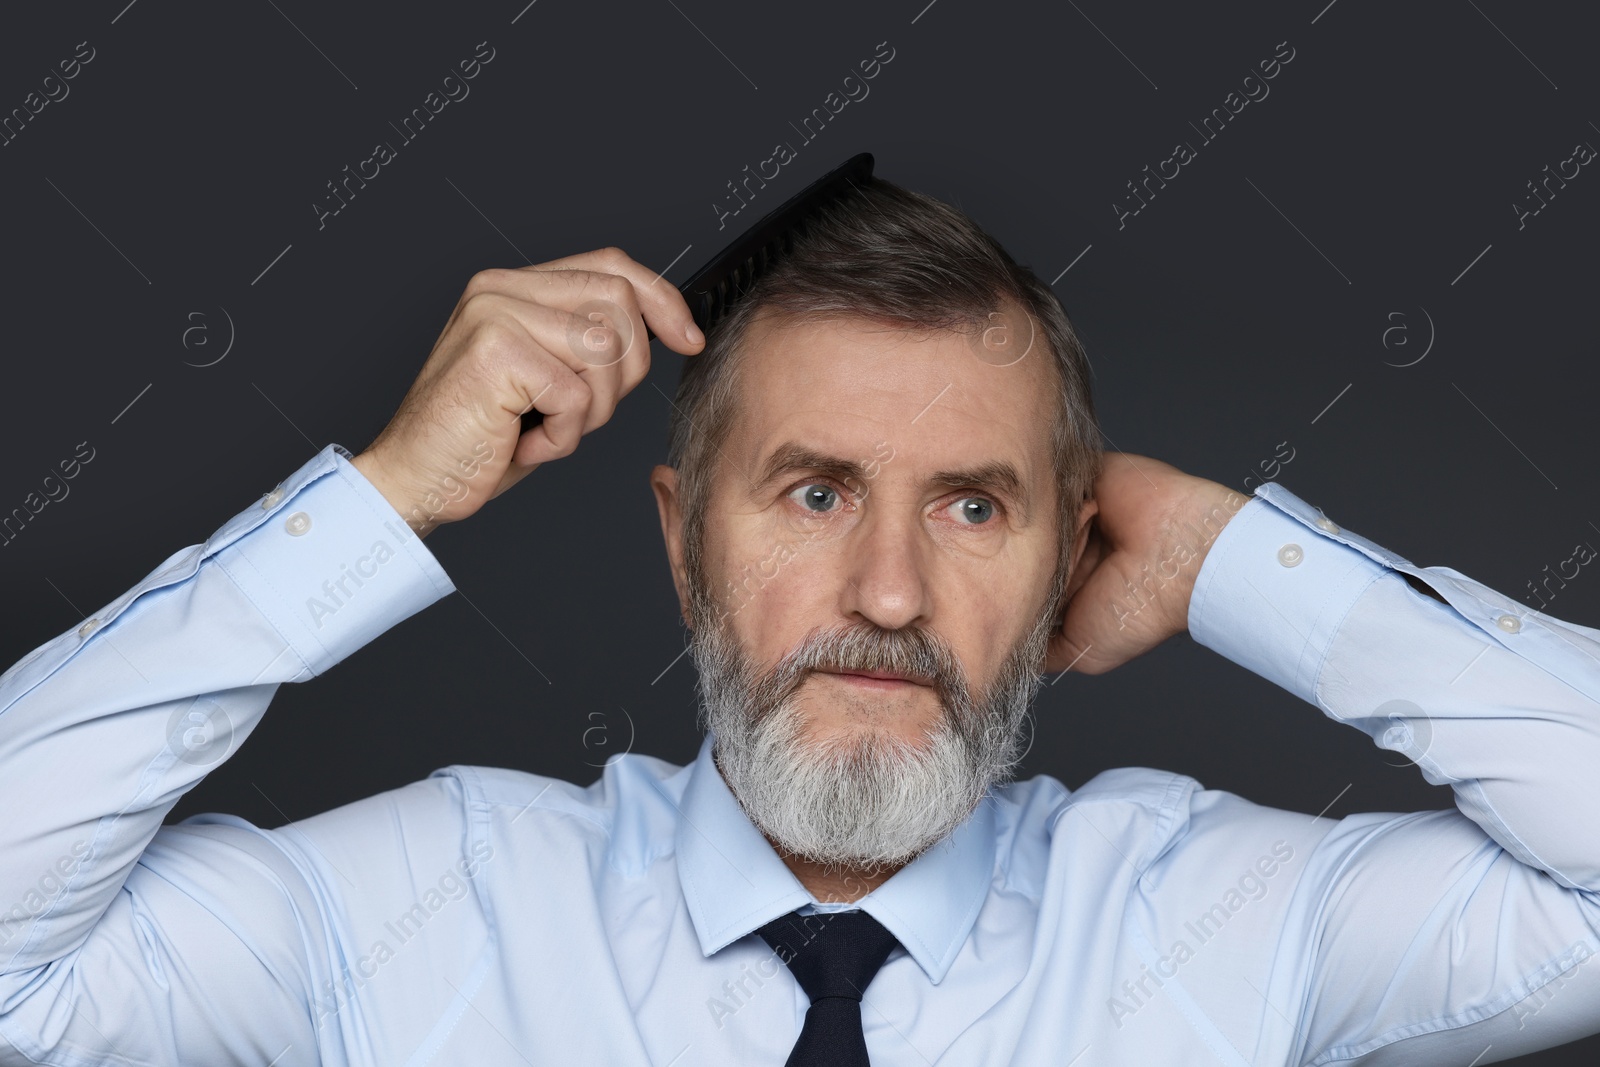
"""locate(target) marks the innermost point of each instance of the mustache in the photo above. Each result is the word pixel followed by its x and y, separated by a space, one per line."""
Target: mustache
pixel 916 652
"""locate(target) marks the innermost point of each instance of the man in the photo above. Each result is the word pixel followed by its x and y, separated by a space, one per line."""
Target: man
pixel 885 512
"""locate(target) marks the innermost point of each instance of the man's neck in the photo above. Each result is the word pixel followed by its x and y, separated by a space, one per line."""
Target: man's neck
pixel 832 885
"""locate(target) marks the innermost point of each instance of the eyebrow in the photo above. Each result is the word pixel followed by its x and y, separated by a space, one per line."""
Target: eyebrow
pixel 996 477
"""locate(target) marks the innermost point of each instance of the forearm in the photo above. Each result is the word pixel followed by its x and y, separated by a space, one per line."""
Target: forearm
pixel 105 727
pixel 1499 702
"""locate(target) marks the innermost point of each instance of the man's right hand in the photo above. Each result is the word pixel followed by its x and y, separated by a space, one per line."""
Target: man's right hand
pixel 565 337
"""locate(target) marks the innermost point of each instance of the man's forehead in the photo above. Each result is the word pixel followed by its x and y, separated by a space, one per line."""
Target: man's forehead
pixel 790 359
pixel 855 389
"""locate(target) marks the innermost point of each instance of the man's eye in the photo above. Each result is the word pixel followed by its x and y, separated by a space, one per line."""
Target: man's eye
pixel 973 510
pixel 815 497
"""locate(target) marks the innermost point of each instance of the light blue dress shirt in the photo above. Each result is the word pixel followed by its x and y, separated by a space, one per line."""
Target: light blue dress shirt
pixel 489 917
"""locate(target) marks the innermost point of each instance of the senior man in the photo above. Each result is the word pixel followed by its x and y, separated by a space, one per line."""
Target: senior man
pixel 886 511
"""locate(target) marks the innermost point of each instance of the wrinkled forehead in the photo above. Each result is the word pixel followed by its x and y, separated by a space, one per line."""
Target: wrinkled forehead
pixel 941 398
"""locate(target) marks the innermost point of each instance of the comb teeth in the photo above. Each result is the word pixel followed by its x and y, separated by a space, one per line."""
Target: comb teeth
pixel 744 275
pixel 732 274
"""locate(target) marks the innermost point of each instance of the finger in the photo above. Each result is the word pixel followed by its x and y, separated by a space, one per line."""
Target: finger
pixel 550 332
pixel 664 308
pixel 598 302
pixel 581 292
pixel 601 303
pixel 565 400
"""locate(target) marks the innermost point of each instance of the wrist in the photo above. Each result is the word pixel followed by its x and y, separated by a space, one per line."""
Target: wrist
pixel 1208 511
pixel 372 469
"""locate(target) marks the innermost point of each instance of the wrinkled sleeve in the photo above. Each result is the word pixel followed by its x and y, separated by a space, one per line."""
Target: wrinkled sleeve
pixel 1449 937
pixel 211 941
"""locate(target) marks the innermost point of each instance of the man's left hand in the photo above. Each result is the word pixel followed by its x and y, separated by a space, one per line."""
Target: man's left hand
pixel 1130 588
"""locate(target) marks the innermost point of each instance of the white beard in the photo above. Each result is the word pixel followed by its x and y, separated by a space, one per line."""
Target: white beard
pixel 879 801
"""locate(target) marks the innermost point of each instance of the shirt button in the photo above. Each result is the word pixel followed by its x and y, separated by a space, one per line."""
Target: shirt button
pixel 272 497
pixel 298 523
pixel 1290 555
pixel 88 628
pixel 1509 623
pixel 1328 525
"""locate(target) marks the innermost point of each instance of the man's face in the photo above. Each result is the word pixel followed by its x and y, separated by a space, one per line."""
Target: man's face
pixel 883 501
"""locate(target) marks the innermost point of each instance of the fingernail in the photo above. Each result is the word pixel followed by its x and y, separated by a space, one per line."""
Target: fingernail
pixel 694 335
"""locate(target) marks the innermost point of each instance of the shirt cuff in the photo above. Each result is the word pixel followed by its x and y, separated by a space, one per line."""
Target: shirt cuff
pixel 1278 583
pixel 328 560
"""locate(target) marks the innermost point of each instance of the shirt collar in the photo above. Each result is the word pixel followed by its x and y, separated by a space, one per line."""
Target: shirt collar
pixel 734 882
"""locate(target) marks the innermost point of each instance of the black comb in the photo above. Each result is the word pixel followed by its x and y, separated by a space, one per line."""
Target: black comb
pixel 714 288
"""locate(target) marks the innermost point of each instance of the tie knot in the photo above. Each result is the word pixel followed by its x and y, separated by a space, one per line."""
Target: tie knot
pixel 831 954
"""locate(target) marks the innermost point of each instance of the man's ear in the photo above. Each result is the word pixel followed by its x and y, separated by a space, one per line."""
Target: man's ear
pixel 1080 541
pixel 664 480
pixel 1080 536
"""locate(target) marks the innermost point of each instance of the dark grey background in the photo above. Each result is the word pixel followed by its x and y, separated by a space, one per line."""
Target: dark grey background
pixel 1253 292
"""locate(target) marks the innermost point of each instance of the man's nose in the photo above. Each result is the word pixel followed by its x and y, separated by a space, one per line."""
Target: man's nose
pixel 886 571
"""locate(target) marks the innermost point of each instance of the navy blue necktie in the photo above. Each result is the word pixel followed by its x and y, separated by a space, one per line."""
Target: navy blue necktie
pixel 833 955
